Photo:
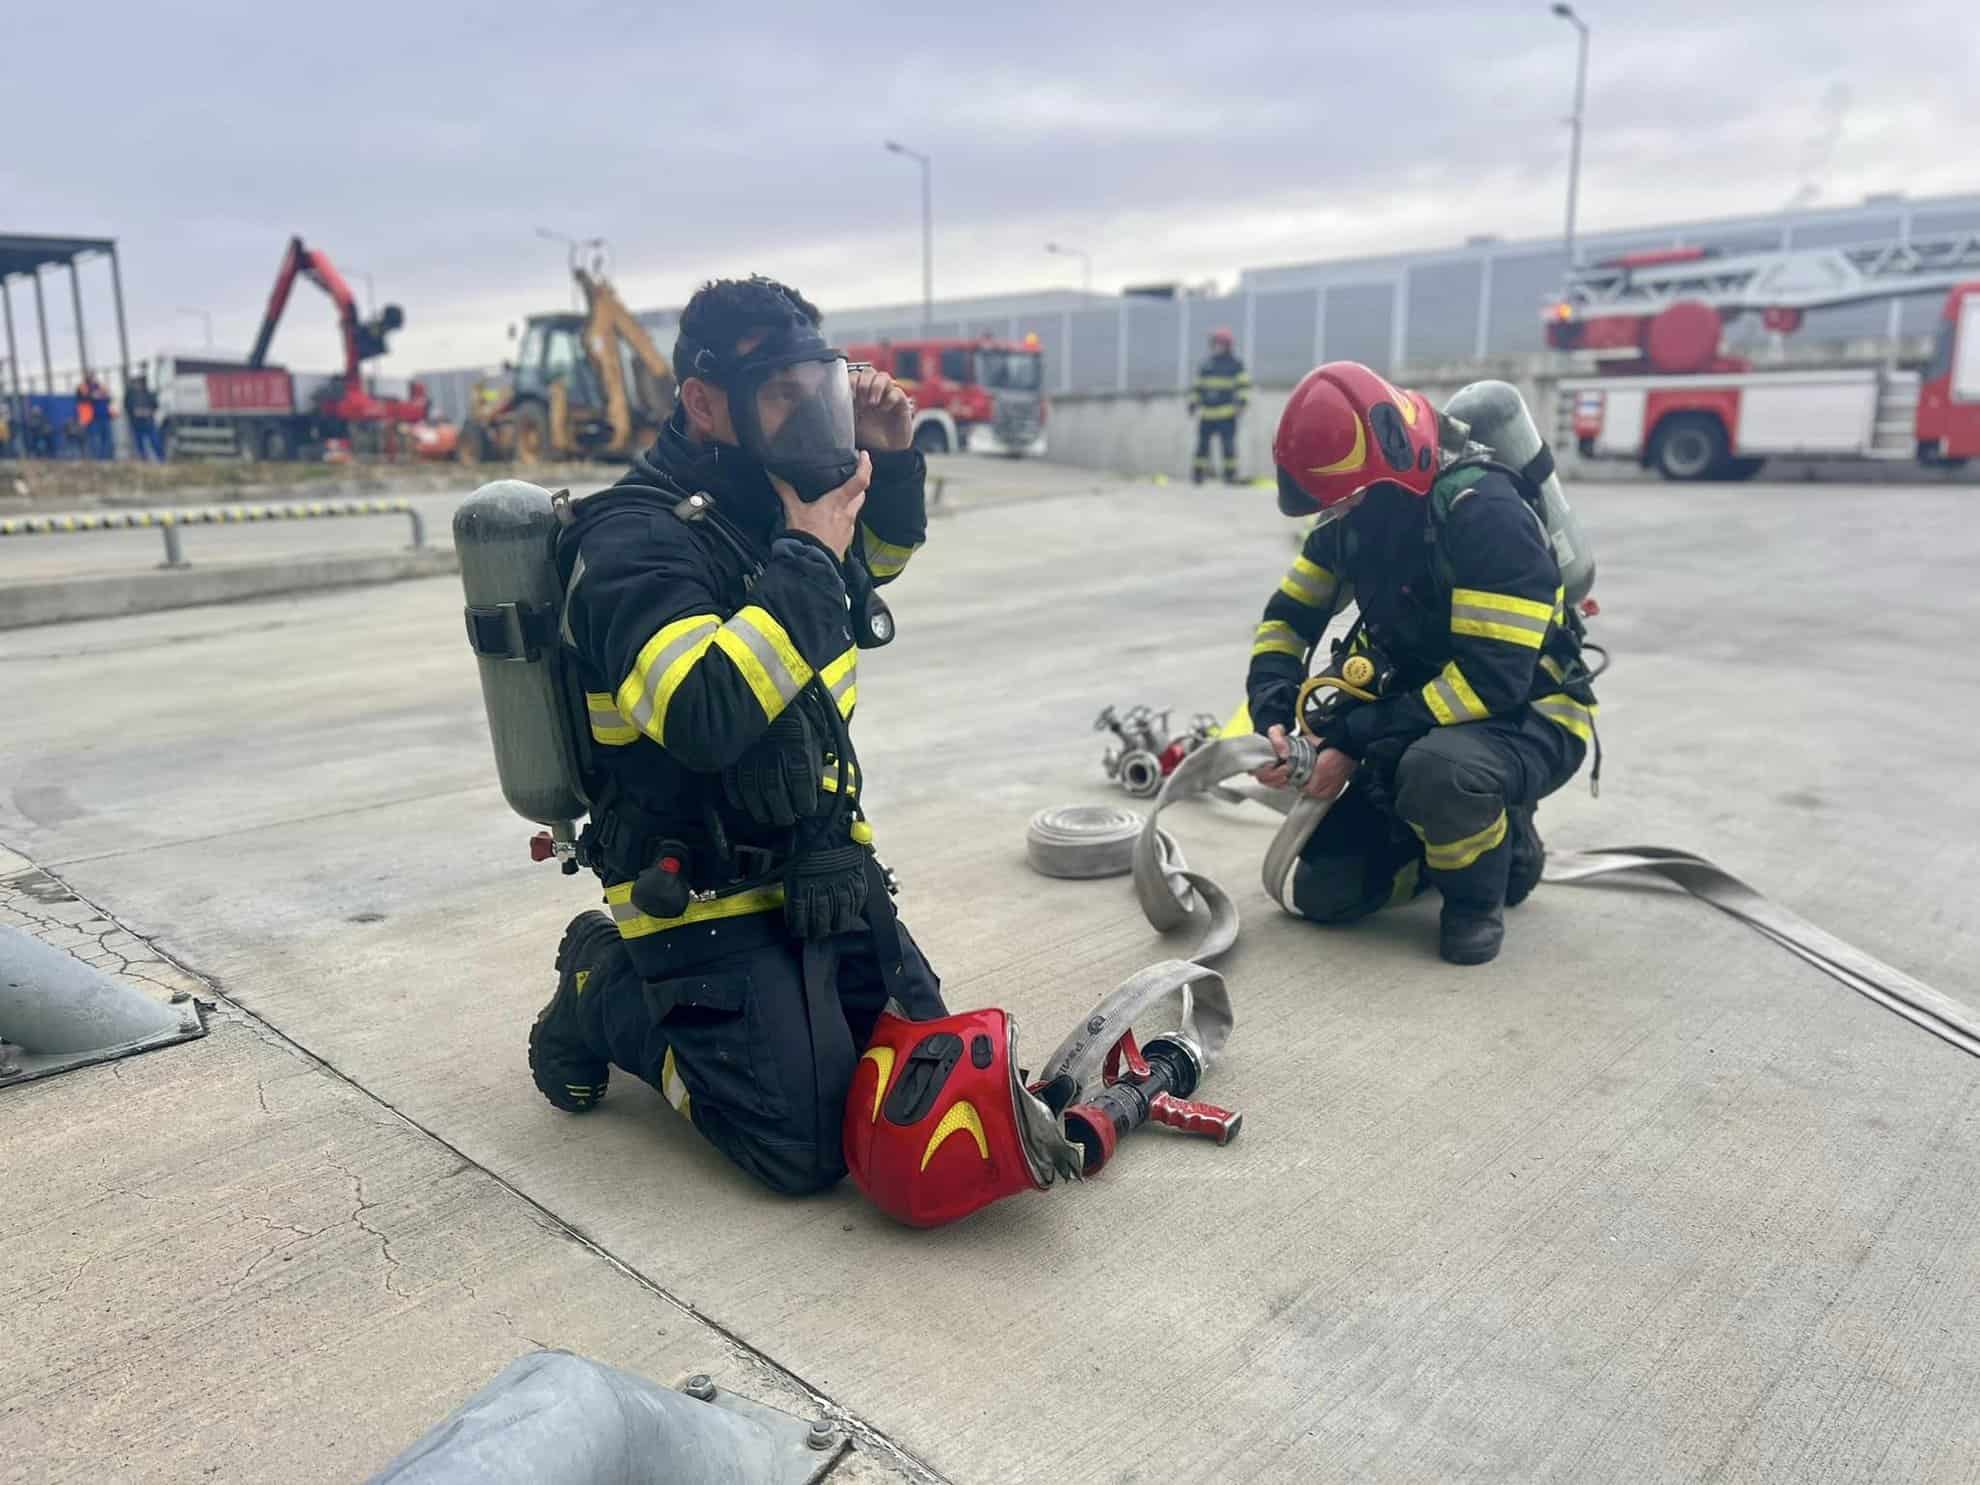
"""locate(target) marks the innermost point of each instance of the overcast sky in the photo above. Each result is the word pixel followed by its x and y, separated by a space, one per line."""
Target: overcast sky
pixel 424 145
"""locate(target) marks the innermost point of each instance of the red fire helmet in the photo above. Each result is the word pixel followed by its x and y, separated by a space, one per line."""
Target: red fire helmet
pixel 1346 429
pixel 938 1125
pixel 1222 338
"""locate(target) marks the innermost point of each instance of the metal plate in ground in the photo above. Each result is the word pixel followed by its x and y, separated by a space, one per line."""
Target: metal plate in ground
pixel 803 1462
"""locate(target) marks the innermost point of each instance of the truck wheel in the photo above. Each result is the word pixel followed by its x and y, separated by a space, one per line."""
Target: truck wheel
pixel 532 433
pixel 931 438
pixel 1690 446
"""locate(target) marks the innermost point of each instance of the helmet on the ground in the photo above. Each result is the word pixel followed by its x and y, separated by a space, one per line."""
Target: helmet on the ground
pixel 1222 339
pixel 938 1123
pixel 1344 430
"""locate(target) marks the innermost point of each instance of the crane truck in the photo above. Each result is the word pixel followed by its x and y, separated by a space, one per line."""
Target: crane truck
pixel 1667 395
pixel 214 406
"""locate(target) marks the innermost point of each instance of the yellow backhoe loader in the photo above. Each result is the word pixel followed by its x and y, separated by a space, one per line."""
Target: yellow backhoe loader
pixel 590 385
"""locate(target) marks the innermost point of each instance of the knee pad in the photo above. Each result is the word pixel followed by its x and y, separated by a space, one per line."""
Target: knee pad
pixel 1333 890
pixel 1436 790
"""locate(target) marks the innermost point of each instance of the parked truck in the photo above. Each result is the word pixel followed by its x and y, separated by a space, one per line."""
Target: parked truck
pixel 982 396
pixel 1667 395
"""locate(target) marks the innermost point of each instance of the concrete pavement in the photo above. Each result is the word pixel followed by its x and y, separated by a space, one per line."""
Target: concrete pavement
pixel 1646 1199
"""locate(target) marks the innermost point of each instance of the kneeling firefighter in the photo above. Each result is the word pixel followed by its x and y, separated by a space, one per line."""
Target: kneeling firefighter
pixel 706 613
pixel 1460 698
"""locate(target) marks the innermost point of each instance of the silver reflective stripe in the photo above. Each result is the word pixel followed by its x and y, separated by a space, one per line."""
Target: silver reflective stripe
pixel 624 912
pixel 1454 703
pixel 766 654
pixel 570 592
pixel 846 682
pixel 642 714
pixel 1313 592
pixel 1502 616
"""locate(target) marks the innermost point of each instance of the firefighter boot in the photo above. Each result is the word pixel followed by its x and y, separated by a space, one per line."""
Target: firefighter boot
pixel 1529 855
pixel 1470 933
pixel 561 1060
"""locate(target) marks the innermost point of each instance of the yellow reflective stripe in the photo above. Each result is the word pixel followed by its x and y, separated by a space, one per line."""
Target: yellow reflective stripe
pixel 663 662
pixel 884 559
pixel 834 771
pixel 1451 699
pixel 1218 413
pixel 762 652
pixel 1553 667
pixel 1217 383
pixel 1276 637
pixel 841 678
pixel 1308 583
pixel 1564 711
pixel 607 725
pixel 1500 616
pixel 1458 854
pixel 635 924
pixel 672 1088
pixel 1404 885
pixel 1504 602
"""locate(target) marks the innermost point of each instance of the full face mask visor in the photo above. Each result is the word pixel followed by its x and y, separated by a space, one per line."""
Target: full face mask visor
pixel 791 401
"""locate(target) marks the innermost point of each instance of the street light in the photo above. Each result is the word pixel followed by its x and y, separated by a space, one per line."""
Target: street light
pixel 207 316
pixel 1085 262
pixel 1566 13
pixel 572 246
pixel 894 147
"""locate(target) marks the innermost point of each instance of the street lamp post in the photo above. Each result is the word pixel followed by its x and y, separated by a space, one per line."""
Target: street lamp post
pixel 1566 13
pixel 1059 250
pixel 927 229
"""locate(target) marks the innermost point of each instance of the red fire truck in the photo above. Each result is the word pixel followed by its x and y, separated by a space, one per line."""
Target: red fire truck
pixel 983 396
pixel 1668 396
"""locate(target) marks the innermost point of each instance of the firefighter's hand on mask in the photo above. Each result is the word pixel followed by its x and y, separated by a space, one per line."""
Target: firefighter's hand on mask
pixel 883 417
pixel 833 516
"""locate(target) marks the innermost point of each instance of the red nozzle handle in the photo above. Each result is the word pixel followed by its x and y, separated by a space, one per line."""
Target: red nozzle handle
pixel 1192 1117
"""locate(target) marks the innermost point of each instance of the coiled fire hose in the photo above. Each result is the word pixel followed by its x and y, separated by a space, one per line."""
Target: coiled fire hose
pixel 1089 841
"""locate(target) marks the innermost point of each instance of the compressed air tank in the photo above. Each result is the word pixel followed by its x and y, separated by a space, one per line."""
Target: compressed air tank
pixel 1498 418
pixel 506 536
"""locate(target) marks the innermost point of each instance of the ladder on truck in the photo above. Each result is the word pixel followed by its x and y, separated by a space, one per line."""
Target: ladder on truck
pixel 1810 278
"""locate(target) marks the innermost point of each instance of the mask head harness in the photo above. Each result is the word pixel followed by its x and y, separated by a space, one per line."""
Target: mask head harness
pixel 790 398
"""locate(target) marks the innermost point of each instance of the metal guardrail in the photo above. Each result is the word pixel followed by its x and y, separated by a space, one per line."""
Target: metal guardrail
pixel 169 523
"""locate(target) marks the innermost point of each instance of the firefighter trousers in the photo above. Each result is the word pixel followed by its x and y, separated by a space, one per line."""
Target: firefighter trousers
pixel 1445 813
pixel 757 1047
pixel 1224 430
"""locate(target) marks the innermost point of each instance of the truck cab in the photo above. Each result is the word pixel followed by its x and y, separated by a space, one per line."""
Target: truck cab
pixel 982 396
pixel 1949 391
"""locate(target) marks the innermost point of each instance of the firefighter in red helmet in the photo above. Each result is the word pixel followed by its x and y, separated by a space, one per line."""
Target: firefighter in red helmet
pixel 1474 702
pixel 1217 400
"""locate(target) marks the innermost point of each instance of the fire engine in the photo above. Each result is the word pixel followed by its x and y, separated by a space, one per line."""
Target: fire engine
pixel 983 396
pixel 1667 395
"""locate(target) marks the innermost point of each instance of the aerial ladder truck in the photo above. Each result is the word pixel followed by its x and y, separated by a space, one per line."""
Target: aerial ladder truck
pixel 1667 394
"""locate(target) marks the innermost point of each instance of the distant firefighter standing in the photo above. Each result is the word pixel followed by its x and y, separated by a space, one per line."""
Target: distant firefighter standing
pixel 1217 399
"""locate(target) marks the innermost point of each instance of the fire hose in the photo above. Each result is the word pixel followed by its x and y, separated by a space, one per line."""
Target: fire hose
pixel 1085 841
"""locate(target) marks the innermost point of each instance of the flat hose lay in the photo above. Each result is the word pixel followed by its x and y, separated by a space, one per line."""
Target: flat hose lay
pixel 1936 1012
pixel 1089 841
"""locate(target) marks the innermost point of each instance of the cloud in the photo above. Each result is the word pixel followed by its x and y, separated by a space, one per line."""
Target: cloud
pixel 425 145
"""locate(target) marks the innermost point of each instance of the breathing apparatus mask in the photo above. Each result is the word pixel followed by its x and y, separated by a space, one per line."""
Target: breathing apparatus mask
pixel 790 398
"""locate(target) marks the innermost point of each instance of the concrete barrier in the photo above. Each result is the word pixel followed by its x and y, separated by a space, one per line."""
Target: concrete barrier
pixel 101 597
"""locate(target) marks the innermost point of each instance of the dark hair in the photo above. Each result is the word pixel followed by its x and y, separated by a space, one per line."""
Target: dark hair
pixel 729 310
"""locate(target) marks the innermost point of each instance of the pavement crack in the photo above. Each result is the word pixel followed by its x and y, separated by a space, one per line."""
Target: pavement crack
pixel 365 1204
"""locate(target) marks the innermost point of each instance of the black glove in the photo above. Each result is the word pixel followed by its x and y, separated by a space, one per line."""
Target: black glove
pixel 776 781
pixel 825 891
